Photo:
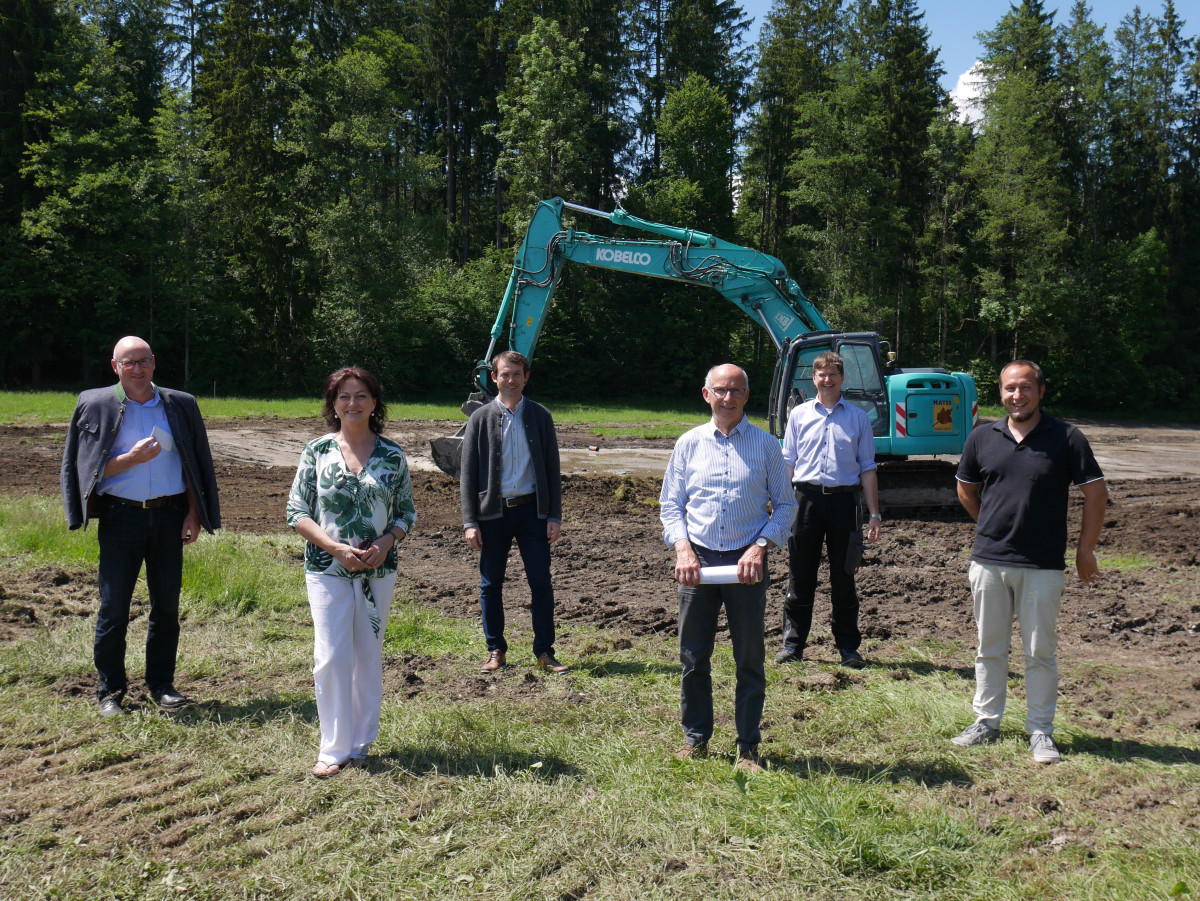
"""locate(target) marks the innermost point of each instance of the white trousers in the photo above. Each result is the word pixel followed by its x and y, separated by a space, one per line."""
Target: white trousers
pixel 1033 596
pixel 347 662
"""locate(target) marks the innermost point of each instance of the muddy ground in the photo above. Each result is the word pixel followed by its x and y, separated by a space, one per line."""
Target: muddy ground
pixel 1141 624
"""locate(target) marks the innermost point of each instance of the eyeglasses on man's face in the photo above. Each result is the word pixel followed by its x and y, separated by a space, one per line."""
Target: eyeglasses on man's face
pixel 144 363
pixel 735 393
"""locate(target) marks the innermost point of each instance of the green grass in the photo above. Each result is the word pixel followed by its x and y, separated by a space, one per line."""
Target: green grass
pixel 35 407
pixel 644 420
pixel 40 407
pixel 34 528
pixel 1124 560
pixel 243 573
pixel 528 786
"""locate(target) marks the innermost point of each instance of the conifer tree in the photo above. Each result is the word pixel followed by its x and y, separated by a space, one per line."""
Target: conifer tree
pixel 799 45
pixel 1023 204
pixel 87 238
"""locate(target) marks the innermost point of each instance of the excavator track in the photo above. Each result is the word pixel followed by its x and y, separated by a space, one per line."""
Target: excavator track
pixel 915 486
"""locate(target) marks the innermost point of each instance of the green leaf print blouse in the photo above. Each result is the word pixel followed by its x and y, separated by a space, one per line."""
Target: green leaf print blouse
pixel 350 507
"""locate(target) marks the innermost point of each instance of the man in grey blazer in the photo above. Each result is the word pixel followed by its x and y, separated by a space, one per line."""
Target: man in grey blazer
pixel 511 489
pixel 137 459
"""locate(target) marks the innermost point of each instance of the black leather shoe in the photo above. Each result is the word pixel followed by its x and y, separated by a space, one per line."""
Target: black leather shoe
pixel 852 659
pixel 169 699
pixel 110 705
pixel 789 655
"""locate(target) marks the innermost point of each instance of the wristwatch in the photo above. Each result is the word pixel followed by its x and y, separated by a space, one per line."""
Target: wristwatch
pixel 876 516
pixel 762 542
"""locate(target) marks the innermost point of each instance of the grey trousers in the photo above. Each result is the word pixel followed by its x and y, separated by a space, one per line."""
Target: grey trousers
pixel 1033 596
pixel 699 609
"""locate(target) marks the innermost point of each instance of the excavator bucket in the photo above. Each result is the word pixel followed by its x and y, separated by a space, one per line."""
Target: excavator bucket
pixel 447 449
pixel 447 452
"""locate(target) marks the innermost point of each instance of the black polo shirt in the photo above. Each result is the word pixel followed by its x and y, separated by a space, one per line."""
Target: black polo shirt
pixel 1023 503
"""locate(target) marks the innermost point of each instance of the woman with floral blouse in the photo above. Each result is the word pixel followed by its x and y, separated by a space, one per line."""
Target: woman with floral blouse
pixel 352 502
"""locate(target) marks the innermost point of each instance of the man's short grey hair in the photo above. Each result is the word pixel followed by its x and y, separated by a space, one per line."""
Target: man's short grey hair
pixel 745 378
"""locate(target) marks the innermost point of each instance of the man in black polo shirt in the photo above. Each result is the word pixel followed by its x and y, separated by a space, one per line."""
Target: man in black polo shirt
pixel 1014 479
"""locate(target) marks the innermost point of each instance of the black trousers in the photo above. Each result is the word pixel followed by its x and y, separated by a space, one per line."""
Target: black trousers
pixel 128 537
pixel 829 520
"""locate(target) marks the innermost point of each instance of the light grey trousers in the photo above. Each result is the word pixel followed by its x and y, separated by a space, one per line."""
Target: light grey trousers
pixel 1033 597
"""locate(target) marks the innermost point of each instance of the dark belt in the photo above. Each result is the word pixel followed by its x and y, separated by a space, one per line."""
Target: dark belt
pixel 827 489
pixel 520 500
pixel 154 503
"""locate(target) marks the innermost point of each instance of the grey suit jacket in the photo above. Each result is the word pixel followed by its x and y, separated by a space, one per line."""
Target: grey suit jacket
pixel 90 437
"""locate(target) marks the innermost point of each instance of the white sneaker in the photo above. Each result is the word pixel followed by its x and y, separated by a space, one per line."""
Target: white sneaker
pixel 976 734
pixel 1042 747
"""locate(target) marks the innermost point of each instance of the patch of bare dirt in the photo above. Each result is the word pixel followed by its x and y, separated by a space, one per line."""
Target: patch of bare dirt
pixel 29 599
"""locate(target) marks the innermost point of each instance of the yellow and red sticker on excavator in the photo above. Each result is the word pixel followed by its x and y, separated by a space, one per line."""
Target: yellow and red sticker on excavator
pixel 943 416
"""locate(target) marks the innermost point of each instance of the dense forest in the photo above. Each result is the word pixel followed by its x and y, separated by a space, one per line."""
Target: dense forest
pixel 266 189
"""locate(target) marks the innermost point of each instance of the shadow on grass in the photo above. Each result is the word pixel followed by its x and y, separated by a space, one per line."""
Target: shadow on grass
pixel 473 762
pixel 257 710
pixel 928 774
pixel 925 668
pixel 605 669
pixel 1119 749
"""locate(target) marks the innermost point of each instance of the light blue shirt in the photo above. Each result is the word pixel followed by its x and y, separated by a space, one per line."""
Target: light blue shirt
pixel 516 463
pixel 716 489
pixel 160 477
pixel 828 447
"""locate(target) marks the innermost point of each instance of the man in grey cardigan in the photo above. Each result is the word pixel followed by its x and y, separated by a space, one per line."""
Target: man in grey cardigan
pixel 511 489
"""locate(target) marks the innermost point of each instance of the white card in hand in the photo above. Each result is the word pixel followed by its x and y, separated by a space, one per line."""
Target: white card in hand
pixel 163 437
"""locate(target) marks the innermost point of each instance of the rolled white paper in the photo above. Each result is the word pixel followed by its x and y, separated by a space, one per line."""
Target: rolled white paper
pixel 718 575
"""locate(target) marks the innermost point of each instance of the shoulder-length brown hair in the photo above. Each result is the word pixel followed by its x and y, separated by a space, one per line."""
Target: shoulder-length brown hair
pixel 333 385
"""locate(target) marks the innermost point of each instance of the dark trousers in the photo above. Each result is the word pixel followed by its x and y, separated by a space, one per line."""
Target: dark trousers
pixel 128 537
pixel 822 519
pixel 520 523
pixel 699 607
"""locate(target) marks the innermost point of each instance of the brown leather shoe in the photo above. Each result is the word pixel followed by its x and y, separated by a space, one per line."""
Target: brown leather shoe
pixel 495 661
pixel 692 752
pixel 748 761
pixel 547 661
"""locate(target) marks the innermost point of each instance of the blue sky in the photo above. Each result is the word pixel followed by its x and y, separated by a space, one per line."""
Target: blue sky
pixel 953 24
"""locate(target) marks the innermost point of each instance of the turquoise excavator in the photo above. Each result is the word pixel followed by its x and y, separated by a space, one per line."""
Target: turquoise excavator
pixel 923 412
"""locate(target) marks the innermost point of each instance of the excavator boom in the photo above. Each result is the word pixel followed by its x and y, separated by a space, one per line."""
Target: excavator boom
pixel 755 282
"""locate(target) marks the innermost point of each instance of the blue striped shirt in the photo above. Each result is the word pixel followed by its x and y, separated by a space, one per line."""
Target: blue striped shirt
pixel 716 489
pixel 160 477
pixel 828 447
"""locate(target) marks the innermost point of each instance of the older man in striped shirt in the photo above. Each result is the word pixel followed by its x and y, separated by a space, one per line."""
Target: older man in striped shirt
pixel 725 501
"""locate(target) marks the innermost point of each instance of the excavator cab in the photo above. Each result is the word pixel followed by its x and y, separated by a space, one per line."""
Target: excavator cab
pixel 914 413
pixel 864 385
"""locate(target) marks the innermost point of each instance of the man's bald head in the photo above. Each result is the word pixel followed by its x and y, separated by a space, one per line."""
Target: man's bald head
pixel 133 362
